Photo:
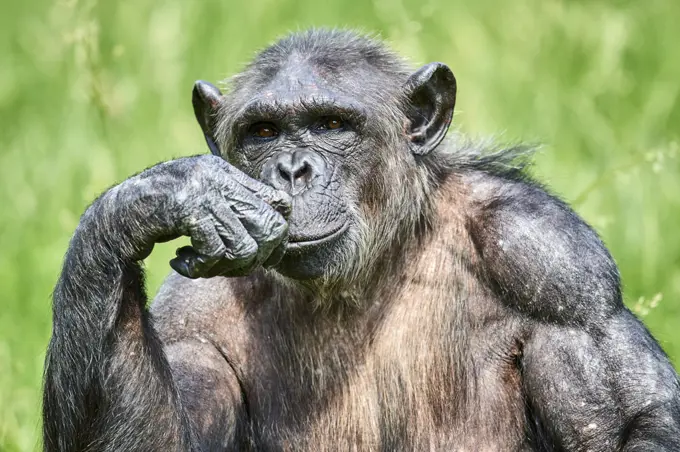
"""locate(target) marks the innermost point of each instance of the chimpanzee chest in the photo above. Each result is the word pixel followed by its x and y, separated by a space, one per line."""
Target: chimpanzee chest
pixel 408 396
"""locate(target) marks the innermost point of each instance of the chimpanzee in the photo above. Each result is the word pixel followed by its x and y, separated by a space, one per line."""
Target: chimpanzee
pixel 353 282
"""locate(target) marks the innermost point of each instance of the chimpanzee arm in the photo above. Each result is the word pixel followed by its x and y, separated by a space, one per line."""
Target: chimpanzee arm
pixel 608 387
pixel 108 384
pixel 594 377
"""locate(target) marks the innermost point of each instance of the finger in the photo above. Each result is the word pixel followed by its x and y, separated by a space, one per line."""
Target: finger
pixel 207 248
pixel 191 264
pixel 188 263
pixel 180 266
pixel 243 251
pixel 215 239
pixel 265 225
pixel 279 200
pixel 223 268
pixel 241 248
pixel 205 238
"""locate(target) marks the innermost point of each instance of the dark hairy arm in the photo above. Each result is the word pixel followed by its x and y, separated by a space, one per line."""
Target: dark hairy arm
pixel 594 378
pixel 108 382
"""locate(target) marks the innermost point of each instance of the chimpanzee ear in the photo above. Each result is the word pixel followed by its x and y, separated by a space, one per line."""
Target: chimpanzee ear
pixel 431 91
pixel 206 99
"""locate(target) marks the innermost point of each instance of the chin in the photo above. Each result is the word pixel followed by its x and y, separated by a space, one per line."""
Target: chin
pixel 305 260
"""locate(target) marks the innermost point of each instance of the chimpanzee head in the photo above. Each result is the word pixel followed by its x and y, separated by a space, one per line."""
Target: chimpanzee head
pixel 342 124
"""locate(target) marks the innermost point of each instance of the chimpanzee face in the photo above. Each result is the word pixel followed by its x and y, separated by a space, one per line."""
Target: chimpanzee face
pixel 328 132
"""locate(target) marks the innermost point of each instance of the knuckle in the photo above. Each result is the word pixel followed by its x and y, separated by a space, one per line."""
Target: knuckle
pixel 259 210
pixel 211 168
pixel 245 249
pixel 204 237
pixel 215 250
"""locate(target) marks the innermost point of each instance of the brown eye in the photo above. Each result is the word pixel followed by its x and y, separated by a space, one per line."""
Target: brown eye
pixel 263 130
pixel 333 123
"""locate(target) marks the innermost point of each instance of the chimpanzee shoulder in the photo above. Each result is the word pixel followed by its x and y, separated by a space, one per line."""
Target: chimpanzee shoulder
pixel 538 254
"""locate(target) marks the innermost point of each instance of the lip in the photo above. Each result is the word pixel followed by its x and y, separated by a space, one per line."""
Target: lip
pixel 296 245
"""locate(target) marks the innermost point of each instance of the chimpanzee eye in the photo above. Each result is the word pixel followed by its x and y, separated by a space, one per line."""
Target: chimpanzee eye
pixel 263 130
pixel 331 123
pixel 334 123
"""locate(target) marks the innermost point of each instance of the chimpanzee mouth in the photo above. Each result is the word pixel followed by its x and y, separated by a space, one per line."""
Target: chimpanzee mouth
pixel 298 242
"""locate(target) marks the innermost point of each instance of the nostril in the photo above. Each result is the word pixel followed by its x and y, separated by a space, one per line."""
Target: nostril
pixel 302 171
pixel 283 173
pixel 295 170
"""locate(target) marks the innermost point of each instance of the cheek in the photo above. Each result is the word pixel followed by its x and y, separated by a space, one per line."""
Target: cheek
pixel 252 167
pixel 370 185
pixel 386 184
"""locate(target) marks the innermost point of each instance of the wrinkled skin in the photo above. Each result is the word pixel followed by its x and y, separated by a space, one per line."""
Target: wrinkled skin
pixel 235 223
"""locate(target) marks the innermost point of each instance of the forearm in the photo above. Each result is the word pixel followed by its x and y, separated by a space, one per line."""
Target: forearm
pixel 607 387
pixel 648 386
pixel 108 385
pixel 652 432
pixel 104 363
pixel 99 298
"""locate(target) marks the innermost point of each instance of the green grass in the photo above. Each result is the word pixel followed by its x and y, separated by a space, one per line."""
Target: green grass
pixel 91 92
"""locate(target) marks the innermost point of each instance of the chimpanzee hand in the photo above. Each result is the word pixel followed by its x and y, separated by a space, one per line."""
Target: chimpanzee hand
pixel 235 223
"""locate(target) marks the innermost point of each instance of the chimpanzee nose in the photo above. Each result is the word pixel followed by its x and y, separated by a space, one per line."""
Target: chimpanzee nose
pixel 293 171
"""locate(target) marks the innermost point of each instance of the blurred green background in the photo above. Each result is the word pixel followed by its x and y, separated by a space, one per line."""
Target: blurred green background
pixel 91 92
